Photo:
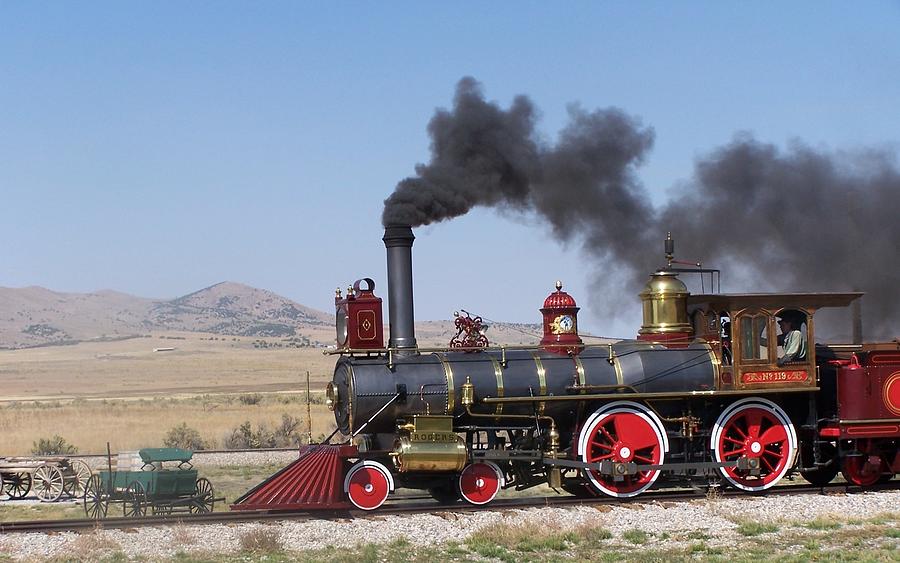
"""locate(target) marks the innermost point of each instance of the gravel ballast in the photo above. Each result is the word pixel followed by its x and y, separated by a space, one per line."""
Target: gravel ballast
pixel 717 519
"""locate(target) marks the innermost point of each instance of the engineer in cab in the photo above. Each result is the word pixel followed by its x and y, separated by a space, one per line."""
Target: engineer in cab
pixel 791 340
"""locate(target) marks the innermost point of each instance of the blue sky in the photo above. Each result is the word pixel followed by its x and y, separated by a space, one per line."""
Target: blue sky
pixel 160 147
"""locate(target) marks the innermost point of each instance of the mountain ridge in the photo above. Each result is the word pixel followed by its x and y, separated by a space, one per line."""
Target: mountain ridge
pixel 38 316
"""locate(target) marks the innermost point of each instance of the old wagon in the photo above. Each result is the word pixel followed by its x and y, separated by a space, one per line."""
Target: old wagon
pixel 154 487
pixel 48 478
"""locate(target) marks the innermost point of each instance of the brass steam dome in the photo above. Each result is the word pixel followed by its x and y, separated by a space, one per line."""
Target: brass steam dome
pixel 664 300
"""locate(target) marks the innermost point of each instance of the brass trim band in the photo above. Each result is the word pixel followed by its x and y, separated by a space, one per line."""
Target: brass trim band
pixel 498 373
pixel 579 367
pixel 620 379
pixel 542 380
pixel 451 391
pixel 715 363
pixel 660 395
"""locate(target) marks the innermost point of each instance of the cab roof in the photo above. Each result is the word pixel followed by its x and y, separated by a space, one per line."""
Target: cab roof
pixel 808 301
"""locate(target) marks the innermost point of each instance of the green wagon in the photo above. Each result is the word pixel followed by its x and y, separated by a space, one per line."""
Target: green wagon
pixel 154 488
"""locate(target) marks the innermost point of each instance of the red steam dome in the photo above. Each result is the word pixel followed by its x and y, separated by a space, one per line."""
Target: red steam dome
pixel 559 299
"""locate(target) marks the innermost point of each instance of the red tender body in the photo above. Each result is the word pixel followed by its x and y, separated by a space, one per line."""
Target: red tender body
pixel 869 396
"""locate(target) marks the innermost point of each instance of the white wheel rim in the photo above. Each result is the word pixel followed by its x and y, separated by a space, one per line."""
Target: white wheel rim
pixel 614 408
pixel 783 419
pixel 480 483
pixel 359 466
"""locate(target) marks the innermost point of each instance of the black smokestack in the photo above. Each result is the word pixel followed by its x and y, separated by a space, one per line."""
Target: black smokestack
pixel 398 241
pixel 793 220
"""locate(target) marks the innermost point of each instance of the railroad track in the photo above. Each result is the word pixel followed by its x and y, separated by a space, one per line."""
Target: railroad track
pixel 196 452
pixel 418 505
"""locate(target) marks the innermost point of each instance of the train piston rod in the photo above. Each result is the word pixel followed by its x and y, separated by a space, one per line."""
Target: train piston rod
pixel 608 467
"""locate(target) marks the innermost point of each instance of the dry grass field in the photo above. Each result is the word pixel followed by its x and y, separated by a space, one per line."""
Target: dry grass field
pixel 200 363
pixel 124 393
pixel 131 392
pixel 139 423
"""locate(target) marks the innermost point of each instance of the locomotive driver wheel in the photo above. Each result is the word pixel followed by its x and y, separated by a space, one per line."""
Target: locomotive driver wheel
pixel 759 431
pixel 863 470
pixel 480 482
pixel 368 484
pixel 623 433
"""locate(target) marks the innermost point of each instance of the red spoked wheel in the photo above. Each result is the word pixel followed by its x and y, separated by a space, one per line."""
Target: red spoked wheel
pixel 863 470
pixel 480 482
pixel 368 484
pixel 623 432
pixel 759 430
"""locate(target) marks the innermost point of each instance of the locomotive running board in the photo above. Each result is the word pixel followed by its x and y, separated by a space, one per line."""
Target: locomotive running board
pixel 315 481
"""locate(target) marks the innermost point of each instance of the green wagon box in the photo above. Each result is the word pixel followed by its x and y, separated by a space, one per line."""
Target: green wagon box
pixel 155 487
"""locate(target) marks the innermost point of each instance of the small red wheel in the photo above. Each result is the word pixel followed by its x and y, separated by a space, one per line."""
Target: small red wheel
pixel 865 469
pixel 368 484
pixel 761 431
pixel 480 482
pixel 862 470
pixel 623 432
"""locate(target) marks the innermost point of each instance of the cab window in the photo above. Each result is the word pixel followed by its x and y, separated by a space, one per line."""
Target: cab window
pixel 754 337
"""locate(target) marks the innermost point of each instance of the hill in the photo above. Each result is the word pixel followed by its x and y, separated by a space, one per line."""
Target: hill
pixel 234 309
pixel 35 316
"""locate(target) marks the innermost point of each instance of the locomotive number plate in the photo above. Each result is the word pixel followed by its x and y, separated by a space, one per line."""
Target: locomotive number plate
pixel 790 376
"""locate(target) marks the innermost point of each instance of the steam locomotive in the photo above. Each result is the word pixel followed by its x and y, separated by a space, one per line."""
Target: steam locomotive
pixel 701 396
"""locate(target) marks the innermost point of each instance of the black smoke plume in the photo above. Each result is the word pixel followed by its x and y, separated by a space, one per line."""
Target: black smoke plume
pixel 794 220
pixel 800 219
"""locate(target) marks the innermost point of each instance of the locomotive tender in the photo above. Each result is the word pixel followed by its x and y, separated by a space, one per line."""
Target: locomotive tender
pixel 690 400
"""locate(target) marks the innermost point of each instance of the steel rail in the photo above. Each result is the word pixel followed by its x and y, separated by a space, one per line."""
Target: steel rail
pixel 196 452
pixel 398 506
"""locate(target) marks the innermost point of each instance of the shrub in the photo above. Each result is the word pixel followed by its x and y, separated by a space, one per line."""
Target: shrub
pixel 750 528
pixel 261 540
pixel 244 437
pixel 185 437
pixel 287 434
pixel 56 445
pixel 635 536
pixel 251 399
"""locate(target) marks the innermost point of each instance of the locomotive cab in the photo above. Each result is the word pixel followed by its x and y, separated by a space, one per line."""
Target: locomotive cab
pixel 744 332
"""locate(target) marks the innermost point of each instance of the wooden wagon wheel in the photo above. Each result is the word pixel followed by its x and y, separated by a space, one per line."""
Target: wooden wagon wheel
pixel 76 481
pixel 203 497
pixel 16 485
pixel 134 504
pixel 95 502
pixel 48 483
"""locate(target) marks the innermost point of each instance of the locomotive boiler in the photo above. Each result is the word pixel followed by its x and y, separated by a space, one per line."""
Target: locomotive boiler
pixel 704 394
